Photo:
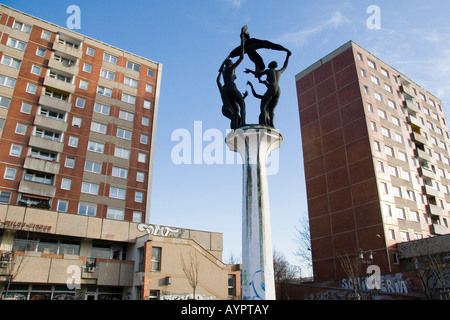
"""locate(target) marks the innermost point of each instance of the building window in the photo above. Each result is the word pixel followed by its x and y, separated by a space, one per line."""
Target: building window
pixel 38 177
pixel 99 127
pixel 40 52
pixel 144 139
pixel 4 102
pixel 117 193
pixel 109 58
pixel 139 197
pixel 122 153
pixel 404 236
pixel 104 91
pixel 15 150
pixel 94 167
pixel 391 234
pixel 119 172
pixel 46 35
pixel 124 115
pixel 154 295
pixel 156 259
pixel 73 142
pixel 66 184
pixel 16 44
pixel 128 98
pixel 22 27
pixel 31 88
pixel 131 82
pixel 26 108
pixel 70 162
pixel 232 285
pixel 116 214
pixel 10 173
pixel 151 73
pixel 108 74
pixel 147 104
pixel 87 209
pixel 101 108
pixel 124 134
pixel 401 213
pixel 149 88
pixel 89 188
pixel 140 176
pixel 145 121
pixel 137 216
pixel 87 67
pixel 142 157
pixel 62 206
pixel 84 85
pixel 5 197
pixel 76 122
pixel 21 129
pixel 133 66
pixel 7 81
pixel 90 51
pixel 11 62
pixel 96 147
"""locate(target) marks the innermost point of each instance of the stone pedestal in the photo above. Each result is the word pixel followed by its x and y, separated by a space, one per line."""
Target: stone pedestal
pixel 254 143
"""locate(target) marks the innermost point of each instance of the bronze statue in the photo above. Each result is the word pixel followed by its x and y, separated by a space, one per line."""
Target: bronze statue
pixel 232 98
pixel 270 99
pixel 233 101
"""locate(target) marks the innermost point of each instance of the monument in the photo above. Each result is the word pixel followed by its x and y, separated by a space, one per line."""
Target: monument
pixel 254 143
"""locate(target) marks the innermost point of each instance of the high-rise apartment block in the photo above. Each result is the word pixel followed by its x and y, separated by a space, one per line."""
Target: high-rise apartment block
pixel 77 121
pixel 376 158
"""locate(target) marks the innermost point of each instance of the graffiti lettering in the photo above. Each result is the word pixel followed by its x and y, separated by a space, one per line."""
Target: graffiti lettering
pixel 156 230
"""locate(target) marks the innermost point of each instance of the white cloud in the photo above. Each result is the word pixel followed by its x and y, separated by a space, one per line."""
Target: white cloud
pixel 299 38
pixel 235 3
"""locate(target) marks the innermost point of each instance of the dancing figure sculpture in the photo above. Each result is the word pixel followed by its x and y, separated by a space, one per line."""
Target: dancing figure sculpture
pixel 233 101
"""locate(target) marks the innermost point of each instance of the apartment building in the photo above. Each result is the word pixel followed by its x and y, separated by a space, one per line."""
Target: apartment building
pixel 377 164
pixel 77 121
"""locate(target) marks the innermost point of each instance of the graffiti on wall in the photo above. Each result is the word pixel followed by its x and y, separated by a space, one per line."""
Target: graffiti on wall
pixel 157 230
pixel 390 283
pixel 186 296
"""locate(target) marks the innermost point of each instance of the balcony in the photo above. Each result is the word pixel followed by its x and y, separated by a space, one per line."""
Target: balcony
pixel 422 155
pixel 414 122
pixel 430 191
pixel 61 47
pixel 438 229
pixel 427 173
pixel 55 103
pixel 35 188
pixel 50 123
pixel 408 92
pixel 65 67
pixel 418 138
pixel 41 165
pixel 435 210
pixel 59 85
pixel 409 104
pixel 46 144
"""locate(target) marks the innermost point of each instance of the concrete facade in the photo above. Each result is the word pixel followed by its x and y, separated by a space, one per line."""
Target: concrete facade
pixel 77 121
pixel 376 159
pixel 54 255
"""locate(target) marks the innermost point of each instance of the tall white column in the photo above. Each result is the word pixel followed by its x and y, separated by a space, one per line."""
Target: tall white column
pixel 254 143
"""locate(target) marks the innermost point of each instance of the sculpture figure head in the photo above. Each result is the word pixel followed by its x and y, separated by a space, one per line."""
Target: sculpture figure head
pixel 273 65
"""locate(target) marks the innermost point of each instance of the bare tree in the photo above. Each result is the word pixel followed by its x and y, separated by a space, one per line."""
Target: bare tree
pixel 191 270
pixel 351 265
pixel 432 263
pixel 303 240
pixel 14 264
pixel 284 273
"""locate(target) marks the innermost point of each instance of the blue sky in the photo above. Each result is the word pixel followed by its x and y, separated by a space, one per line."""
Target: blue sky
pixel 192 37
